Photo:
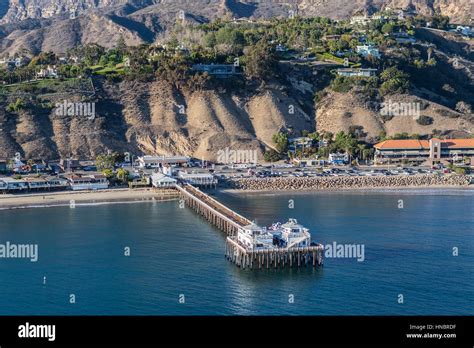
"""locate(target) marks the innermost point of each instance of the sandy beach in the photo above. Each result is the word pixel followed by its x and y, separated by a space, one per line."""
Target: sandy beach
pixel 67 198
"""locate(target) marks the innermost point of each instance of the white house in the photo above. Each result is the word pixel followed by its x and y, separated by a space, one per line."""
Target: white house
pixel 162 161
pixel 160 180
pixel 49 72
pixel 366 50
pixel 338 158
pixel 11 184
pixel 198 179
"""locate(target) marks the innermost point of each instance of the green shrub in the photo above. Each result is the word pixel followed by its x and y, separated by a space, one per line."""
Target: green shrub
pixel 424 120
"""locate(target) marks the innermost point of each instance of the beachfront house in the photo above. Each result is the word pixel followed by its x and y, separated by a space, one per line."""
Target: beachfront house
pixel 160 180
pixel 198 179
pixel 14 185
pixel 57 183
pixel 338 158
pixel 87 182
pixel 37 183
pixel 306 162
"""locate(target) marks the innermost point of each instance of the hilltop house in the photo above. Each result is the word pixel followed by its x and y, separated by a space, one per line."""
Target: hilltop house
pixel 217 70
pixel 49 72
pixel 368 50
pixel 464 30
pixel 403 38
pixel 351 72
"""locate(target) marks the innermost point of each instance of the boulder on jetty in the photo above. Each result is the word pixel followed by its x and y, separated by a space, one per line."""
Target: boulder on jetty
pixel 348 182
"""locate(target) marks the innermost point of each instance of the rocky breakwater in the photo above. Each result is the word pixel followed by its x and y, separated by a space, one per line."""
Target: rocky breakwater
pixel 348 182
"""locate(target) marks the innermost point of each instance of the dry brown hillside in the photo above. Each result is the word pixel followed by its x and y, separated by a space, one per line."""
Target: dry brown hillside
pixel 340 111
pixel 152 118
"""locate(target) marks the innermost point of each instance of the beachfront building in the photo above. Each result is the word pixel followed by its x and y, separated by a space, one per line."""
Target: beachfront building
pixel 254 237
pixel 87 182
pixel 368 50
pixel 162 161
pixel 56 183
pixel 13 185
pixel 456 151
pixel 37 183
pixel 291 234
pixel 198 179
pixel 306 162
pixel 338 158
pixel 351 72
pixel 160 180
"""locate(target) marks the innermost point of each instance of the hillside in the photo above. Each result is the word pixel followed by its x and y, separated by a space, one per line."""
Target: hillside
pixel 58 25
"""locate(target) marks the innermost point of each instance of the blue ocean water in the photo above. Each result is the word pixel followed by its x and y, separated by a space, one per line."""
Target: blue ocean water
pixel 174 252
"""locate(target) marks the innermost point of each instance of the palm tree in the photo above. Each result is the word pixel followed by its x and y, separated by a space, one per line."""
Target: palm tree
pixel 360 151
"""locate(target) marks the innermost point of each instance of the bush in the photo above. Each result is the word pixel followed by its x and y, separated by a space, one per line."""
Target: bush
pixel 447 113
pixel 271 156
pixel 342 84
pixel 424 120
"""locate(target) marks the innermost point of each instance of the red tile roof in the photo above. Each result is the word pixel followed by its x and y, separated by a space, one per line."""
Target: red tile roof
pixel 412 144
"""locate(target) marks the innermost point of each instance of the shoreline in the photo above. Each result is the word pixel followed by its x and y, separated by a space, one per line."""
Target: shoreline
pixel 83 198
pixel 242 186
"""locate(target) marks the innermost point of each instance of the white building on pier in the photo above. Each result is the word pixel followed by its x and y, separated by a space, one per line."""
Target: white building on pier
pixel 253 237
pixel 291 234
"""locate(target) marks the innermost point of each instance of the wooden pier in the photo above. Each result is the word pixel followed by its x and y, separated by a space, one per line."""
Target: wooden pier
pixel 229 221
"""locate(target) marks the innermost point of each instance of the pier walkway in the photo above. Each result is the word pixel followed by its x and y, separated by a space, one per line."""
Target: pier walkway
pixel 215 212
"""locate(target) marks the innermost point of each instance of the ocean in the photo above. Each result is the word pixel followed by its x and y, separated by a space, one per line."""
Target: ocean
pixel 160 259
